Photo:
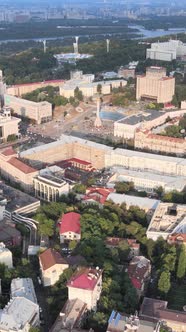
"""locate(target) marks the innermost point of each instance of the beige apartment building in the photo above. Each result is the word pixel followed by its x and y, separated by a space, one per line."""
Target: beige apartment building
pixel 9 125
pixel 39 112
pixel 144 139
pixel 15 170
pixel 21 89
pixel 155 85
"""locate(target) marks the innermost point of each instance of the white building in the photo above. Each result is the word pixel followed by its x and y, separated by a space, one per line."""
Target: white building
pixel 19 315
pixel 169 218
pixel 144 203
pixel 5 256
pixel 86 285
pixel 166 51
pixel 49 184
pixel 147 181
pixel 52 265
pixel 23 287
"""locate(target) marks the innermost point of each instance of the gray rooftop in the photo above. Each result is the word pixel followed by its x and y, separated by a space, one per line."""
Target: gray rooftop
pixel 141 117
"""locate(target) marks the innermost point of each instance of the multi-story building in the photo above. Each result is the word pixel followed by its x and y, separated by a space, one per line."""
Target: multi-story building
pixel 49 184
pixel 15 170
pixel 126 72
pixel 86 285
pixel 87 86
pixel 139 272
pixel 146 140
pixel 123 323
pixel 21 89
pixel 52 265
pixel 23 287
pixel 168 219
pixel 5 256
pixel 155 85
pixel 166 51
pixel 157 310
pixel 143 181
pixel 70 316
pixel 70 228
pixel 19 315
pixel 9 125
pixel 39 112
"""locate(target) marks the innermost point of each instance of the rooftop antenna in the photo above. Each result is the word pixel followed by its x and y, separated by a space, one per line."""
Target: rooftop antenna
pixel 108 45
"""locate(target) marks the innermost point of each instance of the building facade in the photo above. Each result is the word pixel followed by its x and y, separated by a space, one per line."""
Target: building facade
pixel 145 140
pixel 155 85
pixel 70 228
pixel 39 112
pixel 52 265
pixel 86 285
pixel 166 51
pixel 5 256
pixel 9 125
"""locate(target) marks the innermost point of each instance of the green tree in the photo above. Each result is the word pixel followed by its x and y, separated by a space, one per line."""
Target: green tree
pixel 34 329
pixel 164 283
pixel 79 188
pixel 181 269
pixel 78 94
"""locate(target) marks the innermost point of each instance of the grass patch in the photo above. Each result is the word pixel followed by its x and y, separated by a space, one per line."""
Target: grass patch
pixel 176 297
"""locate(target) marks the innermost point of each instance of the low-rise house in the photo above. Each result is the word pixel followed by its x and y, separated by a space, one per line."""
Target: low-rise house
pixel 70 228
pixel 96 195
pixel 5 256
pixel 70 316
pixel 177 239
pixel 157 309
pixel 113 242
pixel 23 287
pixel 19 315
pixel 139 271
pixel 86 285
pixel 52 265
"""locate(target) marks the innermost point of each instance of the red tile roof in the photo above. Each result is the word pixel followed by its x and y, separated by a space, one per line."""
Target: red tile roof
pixel 70 222
pixel 50 257
pixel 36 83
pixel 138 270
pixel 85 279
pixel 21 165
pixel 97 194
pixel 115 241
pixel 177 237
pixel 8 151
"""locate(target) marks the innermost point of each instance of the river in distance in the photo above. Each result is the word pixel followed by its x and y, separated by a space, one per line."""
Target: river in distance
pixel 142 32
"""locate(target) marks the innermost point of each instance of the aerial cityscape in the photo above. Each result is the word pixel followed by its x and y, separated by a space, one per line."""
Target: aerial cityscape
pixel 92 166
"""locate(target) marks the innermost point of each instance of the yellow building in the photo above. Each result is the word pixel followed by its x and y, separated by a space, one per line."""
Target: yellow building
pixel 155 85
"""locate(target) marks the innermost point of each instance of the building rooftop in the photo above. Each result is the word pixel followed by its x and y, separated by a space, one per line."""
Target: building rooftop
pixel 86 278
pixel 21 166
pixel 17 313
pixel 23 287
pixel 168 218
pixel 141 202
pixel 138 267
pixel 153 308
pixel 69 316
pixel 115 241
pixel 51 257
pixel 8 151
pixel 70 222
pixel 17 200
pixel 97 194
pixel 148 115
pixel 36 83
